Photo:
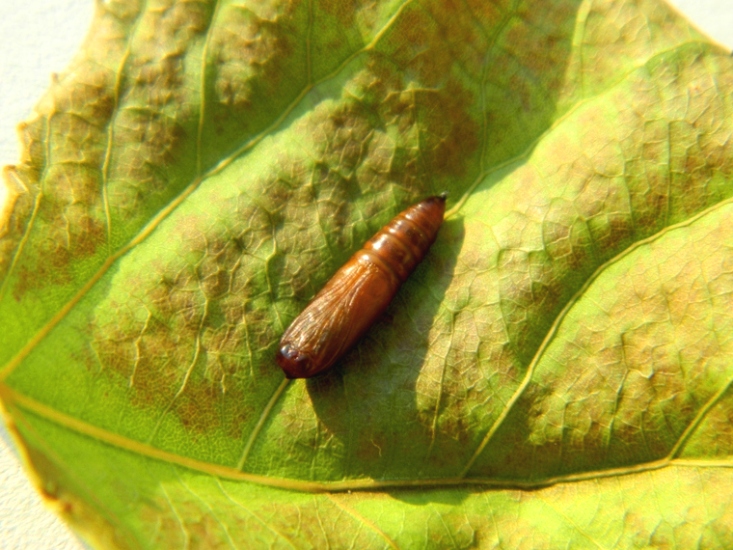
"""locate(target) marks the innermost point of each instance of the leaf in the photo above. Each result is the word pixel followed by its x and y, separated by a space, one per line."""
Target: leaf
pixel 555 374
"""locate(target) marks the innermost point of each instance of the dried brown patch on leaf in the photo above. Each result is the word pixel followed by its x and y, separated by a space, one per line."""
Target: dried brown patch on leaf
pixel 296 265
pixel 153 139
pixel 163 36
pixel 70 209
pixel 618 35
pixel 648 176
pixel 531 290
pixel 619 392
pixel 63 150
pixel 190 333
pixel 528 288
pixel 666 166
pixel 475 361
pixel 73 115
pixel 421 89
pixel 452 395
pixel 400 111
pixel 428 50
pixel 335 201
pixel 342 136
pixel 602 206
pixel 256 56
pixel 349 179
pixel 152 349
pixel 249 47
pixel 153 356
pixel 528 284
pixel 601 413
pixel 698 141
pixel 414 49
pixel 467 37
pixel 487 14
pixel 567 240
pixel 541 44
pixel 154 125
pixel 345 12
pixel 454 134
pixel 522 69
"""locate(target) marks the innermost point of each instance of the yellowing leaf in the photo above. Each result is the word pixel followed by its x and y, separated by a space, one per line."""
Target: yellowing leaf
pixel 555 374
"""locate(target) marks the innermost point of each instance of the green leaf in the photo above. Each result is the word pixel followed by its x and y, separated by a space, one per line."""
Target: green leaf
pixel 555 374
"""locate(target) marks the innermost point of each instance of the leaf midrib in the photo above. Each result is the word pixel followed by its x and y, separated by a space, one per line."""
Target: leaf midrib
pixel 18 402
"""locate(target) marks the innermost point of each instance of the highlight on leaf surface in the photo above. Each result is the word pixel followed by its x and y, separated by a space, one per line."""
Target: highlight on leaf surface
pixel 558 368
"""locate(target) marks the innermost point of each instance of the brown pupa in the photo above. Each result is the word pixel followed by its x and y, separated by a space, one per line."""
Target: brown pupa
pixel 359 292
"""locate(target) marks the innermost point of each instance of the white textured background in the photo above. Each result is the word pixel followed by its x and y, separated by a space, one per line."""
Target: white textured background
pixel 38 37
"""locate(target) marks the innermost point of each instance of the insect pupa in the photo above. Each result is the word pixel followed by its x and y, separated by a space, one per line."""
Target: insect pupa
pixel 359 292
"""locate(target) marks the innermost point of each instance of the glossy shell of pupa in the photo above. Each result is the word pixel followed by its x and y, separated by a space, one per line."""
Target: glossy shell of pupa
pixel 359 292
